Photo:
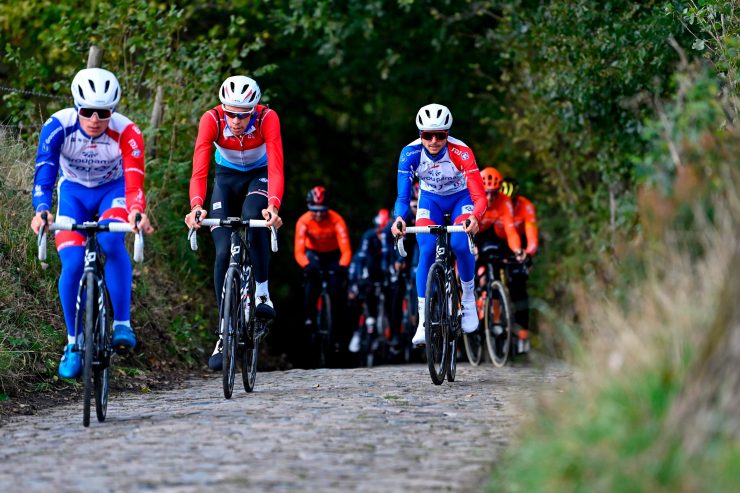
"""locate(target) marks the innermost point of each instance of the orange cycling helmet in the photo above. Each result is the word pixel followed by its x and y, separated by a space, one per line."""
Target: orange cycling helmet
pixel 491 179
pixel 316 199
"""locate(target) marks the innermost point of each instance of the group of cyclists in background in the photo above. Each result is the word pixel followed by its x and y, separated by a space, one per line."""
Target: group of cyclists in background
pixel 373 287
pixel 94 157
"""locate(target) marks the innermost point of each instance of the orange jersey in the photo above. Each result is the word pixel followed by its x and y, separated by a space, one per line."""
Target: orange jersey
pixel 500 216
pixel 525 222
pixel 327 235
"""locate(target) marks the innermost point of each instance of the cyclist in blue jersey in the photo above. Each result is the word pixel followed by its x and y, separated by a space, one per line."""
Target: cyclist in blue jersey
pixel 100 156
pixel 450 182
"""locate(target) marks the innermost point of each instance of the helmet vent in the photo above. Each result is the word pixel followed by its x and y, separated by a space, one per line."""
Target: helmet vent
pixel 92 84
pixel 107 85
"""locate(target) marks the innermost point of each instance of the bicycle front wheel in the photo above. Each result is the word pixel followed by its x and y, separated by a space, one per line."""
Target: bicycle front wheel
pixel 251 339
pixel 102 337
pixel 437 323
pixel 230 328
pixel 453 327
pixel 498 324
pixel 88 346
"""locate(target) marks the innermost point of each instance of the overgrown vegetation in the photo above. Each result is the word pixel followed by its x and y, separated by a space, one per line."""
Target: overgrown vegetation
pixel 653 405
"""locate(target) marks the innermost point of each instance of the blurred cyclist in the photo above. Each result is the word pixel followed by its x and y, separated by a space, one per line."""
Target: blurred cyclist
pixel 322 245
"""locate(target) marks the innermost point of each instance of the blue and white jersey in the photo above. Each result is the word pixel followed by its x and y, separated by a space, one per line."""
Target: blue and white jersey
pixel 447 173
pixel 91 162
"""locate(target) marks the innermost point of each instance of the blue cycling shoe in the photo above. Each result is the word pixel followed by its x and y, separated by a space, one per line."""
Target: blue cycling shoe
pixel 124 338
pixel 71 364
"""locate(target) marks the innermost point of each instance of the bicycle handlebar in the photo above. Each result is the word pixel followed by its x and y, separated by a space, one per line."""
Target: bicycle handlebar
pixel 231 222
pixel 113 227
pixel 434 229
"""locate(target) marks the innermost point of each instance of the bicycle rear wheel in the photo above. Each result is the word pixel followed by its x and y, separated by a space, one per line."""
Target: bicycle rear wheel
pixel 88 346
pixel 498 333
pixel 230 328
pixel 102 338
pixel 437 324
pixel 324 326
pixel 251 340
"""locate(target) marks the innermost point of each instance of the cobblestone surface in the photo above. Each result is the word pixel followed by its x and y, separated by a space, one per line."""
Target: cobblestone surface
pixel 385 429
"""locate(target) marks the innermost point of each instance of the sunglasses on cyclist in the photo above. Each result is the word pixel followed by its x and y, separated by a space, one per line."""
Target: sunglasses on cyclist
pixel 235 114
pixel 89 112
pixel 430 135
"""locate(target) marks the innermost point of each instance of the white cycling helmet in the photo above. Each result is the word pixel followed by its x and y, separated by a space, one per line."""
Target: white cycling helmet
pixel 240 91
pixel 434 117
pixel 96 88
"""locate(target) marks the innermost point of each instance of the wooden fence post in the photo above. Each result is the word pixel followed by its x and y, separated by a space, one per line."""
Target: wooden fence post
pixel 94 57
pixel 154 122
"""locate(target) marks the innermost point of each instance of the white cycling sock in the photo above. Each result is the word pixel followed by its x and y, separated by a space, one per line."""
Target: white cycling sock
pixel 71 339
pixel 468 293
pixel 422 307
pixel 262 290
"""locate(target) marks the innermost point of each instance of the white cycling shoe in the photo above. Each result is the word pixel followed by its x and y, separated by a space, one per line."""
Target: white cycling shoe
pixel 469 316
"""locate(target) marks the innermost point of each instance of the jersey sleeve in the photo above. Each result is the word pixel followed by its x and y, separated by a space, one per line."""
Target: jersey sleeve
pixel 132 151
pixel 404 183
pixel 506 210
pixel 343 239
pixel 299 247
pixel 270 128
pixel 207 135
pixel 47 163
pixel 475 186
pixel 530 227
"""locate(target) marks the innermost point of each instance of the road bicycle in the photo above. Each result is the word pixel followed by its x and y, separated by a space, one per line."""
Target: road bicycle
pixel 324 320
pixel 240 326
pixel 442 311
pixel 93 320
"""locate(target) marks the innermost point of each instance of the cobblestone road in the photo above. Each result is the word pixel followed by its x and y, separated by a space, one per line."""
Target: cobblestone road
pixel 386 429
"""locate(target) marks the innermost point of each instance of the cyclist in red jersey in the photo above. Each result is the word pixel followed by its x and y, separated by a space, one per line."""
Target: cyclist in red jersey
pixel 248 183
pixel 525 222
pixel 322 244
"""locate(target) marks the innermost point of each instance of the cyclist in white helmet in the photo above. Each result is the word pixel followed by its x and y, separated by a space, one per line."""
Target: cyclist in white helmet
pixel 449 182
pixel 100 156
pixel 249 181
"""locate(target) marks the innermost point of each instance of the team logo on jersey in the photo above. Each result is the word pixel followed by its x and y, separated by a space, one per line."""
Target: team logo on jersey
pixel 467 209
pixel 136 129
pixel 263 180
pixel 216 206
pixel 465 155
pixel 423 214
pixel 136 153
pixel 119 202
pixel 37 192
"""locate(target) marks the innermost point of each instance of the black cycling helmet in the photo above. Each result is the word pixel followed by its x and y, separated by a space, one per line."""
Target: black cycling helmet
pixel 316 199
pixel 510 187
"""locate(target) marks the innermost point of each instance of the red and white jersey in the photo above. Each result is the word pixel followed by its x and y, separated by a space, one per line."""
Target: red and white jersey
pixel 260 146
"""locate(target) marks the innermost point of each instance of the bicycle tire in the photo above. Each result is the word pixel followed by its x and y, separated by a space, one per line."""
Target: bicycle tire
pixel 103 350
pixel 250 350
pixel 473 344
pixel 454 328
pixel 436 323
pixel 87 357
pixel 230 327
pixel 498 344
pixel 324 326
